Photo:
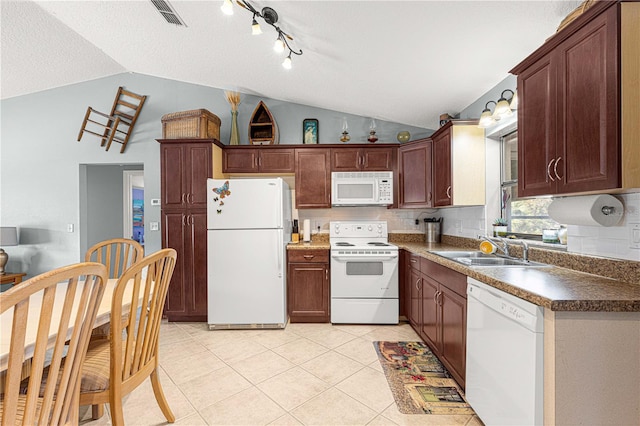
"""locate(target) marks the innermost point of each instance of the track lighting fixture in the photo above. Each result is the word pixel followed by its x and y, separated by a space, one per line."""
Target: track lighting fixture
pixel 269 16
pixel 503 108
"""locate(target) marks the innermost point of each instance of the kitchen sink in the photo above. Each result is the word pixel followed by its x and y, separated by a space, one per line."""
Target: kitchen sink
pixel 462 254
pixel 477 258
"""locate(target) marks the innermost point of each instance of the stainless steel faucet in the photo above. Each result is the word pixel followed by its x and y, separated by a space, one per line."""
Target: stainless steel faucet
pixel 503 245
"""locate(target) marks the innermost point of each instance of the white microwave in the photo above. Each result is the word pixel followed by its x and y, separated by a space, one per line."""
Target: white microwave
pixel 361 188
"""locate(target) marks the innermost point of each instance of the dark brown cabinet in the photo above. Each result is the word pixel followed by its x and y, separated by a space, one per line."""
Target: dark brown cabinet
pixel 444 316
pixel 185 167
pixel 313 178
pixel 442 191
pixel 568 120
pixel 258 160
pixel 362 159
pixel 308 285
pixel 435 297
pixel 414 174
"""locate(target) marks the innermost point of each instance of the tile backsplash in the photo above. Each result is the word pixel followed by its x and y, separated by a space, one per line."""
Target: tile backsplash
pixel 470 222
pixel 611 241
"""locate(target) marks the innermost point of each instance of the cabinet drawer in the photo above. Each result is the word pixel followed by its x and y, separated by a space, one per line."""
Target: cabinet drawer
pixel 316 256
pixel 448 277
pixel 414 261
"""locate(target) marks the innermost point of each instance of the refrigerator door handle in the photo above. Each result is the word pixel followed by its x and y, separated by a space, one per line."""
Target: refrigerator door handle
pixel 279 252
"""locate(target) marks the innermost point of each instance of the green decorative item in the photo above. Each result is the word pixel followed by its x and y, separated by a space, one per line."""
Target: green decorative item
pixel 500 227
pixel 235 137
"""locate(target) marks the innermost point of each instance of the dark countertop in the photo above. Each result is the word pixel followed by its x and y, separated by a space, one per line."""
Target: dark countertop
pixel 553 287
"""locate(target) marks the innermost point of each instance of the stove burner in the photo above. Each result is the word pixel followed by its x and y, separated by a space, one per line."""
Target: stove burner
pixel 376 243
pixel 344 244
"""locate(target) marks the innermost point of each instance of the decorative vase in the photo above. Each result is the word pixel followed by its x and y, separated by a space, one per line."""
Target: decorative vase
pixel 235 138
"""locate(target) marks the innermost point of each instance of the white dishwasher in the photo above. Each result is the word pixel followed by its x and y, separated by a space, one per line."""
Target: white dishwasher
pixel 504 378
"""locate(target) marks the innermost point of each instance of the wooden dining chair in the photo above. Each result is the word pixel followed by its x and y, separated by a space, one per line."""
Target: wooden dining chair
pixel 58 309
pixel 117 254
pixel 117 365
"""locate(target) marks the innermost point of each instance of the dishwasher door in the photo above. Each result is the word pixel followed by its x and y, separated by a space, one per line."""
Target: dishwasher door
pixel 504 377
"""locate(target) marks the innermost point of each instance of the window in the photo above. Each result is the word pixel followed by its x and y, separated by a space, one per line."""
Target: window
pixel 526 217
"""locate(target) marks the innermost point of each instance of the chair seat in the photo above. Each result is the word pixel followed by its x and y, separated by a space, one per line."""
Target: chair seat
pixel 95 370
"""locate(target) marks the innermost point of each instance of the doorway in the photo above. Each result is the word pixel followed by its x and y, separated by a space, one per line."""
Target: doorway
pixel 133 205
pixel 102 202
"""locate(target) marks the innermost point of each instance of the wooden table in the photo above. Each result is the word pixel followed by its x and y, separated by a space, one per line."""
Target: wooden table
pixel 103 317
pixel 11 277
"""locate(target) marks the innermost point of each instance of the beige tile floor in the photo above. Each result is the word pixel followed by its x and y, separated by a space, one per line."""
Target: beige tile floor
pixel 307 374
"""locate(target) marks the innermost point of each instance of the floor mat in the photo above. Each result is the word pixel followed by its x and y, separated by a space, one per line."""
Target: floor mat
pixel 419 382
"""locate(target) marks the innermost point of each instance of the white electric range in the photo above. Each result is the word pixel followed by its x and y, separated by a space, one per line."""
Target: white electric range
pixel 364 273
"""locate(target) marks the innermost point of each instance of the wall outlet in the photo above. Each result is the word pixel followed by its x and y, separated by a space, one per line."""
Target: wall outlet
pixel 154 226
pixel 69 227
pixel 155 201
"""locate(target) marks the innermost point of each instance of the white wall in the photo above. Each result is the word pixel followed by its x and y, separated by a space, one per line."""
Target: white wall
pixel 40 157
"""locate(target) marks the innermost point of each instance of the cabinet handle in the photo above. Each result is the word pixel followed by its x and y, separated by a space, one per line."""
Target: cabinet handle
pixel 430 196
pixel 435 297
pixel 190 198
pixel 414 261
pixel 184 220
pixel 309 256
pixel 555 168
pixel 417 281
pixel 259 161
pixel 326 274
pixel 449 191
pixel 183 198
pixel 549 170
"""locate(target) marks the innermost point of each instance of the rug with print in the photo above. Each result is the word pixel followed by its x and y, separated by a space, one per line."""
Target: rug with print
pixel 419 382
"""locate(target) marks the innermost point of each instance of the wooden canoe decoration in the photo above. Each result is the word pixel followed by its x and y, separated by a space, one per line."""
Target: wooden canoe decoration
pixel 263 129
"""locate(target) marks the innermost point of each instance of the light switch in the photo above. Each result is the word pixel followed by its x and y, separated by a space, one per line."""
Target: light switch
pixel 154 226
pixel 155 201
pixel 69 227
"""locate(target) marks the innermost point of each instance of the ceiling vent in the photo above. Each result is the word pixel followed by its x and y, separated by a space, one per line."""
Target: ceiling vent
pixel 168 12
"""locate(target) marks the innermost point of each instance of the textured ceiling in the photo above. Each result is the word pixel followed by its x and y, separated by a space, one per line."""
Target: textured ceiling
pixel 400 61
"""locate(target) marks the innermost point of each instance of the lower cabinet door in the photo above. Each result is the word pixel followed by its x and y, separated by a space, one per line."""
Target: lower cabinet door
pixel 308 292
pixel 430 313
pixel 454 323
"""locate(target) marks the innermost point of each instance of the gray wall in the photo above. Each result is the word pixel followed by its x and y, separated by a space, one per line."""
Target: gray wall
pixel 40 158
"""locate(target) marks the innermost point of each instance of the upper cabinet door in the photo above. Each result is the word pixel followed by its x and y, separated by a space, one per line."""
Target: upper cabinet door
pixel 362 159
pixel 415 175
pixel 313 178
pixel 198 169
pixel 536 129
pixel 442 190
pixel 587 155
pixel 173 179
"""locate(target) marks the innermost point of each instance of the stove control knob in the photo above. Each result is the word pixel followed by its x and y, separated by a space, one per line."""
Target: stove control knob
pixel 370 228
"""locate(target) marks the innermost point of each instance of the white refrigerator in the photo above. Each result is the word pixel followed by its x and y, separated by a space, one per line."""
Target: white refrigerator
pixel 249 226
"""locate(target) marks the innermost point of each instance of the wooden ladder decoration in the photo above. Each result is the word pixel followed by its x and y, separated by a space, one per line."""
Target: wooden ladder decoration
pixel 119 123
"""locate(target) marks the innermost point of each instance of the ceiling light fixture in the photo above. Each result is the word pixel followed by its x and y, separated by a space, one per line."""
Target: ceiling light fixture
pixel 486 118
pixel 269 16
pixel 503 108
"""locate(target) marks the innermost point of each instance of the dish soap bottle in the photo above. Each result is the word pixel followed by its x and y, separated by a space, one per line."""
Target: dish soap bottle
pixel 295 236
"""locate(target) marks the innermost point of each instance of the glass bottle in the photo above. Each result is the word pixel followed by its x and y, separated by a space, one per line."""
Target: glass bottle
pixel 295 236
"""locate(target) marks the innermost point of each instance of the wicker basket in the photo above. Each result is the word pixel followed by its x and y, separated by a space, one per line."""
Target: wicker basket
pixel 196 123
pixel 575 13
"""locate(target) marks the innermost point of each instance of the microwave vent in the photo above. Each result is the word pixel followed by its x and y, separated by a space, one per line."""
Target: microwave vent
pixel 362 175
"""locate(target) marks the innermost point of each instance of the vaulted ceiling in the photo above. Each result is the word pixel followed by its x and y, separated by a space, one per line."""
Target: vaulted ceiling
pixel 400 61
